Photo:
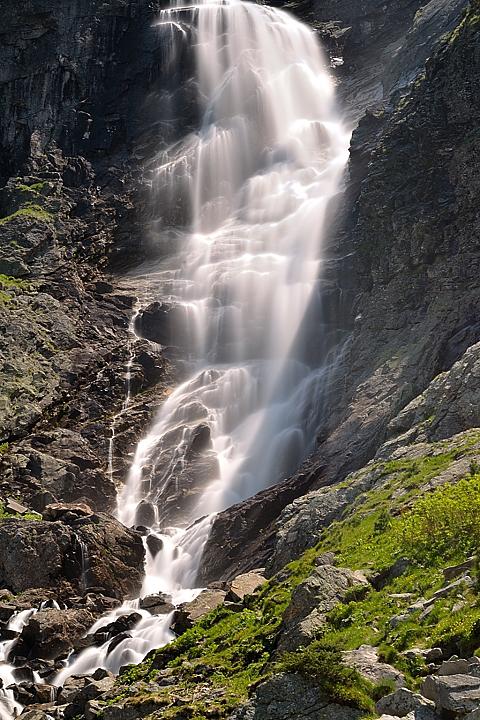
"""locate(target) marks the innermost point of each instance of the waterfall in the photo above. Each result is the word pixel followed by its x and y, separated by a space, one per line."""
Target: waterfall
pixel 259 174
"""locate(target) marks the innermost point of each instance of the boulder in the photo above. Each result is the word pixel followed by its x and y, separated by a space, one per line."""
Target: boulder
pixel 321 590
pixel 453 667
pixel 311 601
pixel 244 584
pixel 458 694
pixel 51 633
pixel 453 571
pixel 366 661
pixel 292 697
pixel 401 703
pixel 188 613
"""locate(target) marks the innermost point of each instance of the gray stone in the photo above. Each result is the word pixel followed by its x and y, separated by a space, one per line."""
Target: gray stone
pixel 457 585
pixel 453 667
pixel 189 612
pixel 366 661
pixel 311 601
pixel 401 703
pixel 459 694
pixel 244 584
pixel 434 655
pixel 291 697
pixel 453 571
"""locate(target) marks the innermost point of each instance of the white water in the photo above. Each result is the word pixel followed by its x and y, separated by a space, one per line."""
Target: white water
pixel 259 173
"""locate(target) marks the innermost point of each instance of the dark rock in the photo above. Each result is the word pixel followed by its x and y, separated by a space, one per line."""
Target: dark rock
pixel 48 554
pixel 50 633
pixel 154 544
pixel 145 514
pixel 399 567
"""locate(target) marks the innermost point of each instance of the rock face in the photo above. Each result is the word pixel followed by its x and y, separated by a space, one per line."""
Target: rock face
pixel 89 551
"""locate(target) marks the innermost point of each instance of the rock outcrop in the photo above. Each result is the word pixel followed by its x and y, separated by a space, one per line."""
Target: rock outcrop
pixel 90 551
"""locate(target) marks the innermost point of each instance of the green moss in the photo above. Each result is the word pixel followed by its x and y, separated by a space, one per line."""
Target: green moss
pixel 8 281
pixel 29 209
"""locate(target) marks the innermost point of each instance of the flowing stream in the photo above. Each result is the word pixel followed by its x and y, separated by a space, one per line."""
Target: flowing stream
pixel 259 173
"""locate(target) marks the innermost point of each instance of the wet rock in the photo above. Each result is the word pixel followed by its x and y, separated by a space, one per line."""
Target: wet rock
pixel 154 544
pixel 145 514
pixel 199 440
pixel 50 633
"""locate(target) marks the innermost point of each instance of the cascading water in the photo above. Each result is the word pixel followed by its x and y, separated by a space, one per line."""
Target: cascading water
pixel 259 173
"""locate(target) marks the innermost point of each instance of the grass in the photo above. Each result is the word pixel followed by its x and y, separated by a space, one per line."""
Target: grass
pixel 29 209
pixel 220 661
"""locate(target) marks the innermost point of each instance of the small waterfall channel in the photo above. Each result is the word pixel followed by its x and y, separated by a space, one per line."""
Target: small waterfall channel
pixel 259 174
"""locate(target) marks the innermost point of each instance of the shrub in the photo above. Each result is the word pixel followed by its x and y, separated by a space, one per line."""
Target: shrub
pixel 322 662
pixel 445 523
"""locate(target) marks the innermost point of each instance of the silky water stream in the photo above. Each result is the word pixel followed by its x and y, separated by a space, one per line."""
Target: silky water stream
pixel 259 173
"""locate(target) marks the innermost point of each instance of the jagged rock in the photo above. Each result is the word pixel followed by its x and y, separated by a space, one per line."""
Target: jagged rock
pixel 91 690
pixel 243 585
pixel 322 590
pixel 291 697
pixel 366 661
pixel 154 544
pixel 453 571
pixel 401 703
pixel 382 578
pixel 459 694
pixel 301 523
pixel 434 655
pixel 57 511
pixel 49 554
pixel 34 715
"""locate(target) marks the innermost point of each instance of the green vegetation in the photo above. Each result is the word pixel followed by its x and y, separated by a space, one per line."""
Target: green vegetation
pixel 322 662
pixel 218 663
pixel 444 524
pixel 29 209
pixel 9 282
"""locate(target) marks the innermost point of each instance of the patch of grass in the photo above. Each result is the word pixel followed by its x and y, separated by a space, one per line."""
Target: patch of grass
pixel 8 281
pixel 29 209
pixel 321 661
